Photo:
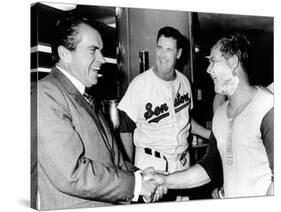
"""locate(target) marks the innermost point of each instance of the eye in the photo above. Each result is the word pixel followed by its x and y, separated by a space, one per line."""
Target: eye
pixel 169 50
pixel 93 50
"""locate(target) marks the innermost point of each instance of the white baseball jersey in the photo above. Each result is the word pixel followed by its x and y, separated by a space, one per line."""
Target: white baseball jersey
pixel 160 110
pixel 245 164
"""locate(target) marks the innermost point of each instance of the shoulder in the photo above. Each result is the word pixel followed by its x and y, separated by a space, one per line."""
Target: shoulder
pixel 50 88
pixel 47 83
pixel 264 92
pixel 264 98
pixel 182 77
pixel 140 80
pixel 221 109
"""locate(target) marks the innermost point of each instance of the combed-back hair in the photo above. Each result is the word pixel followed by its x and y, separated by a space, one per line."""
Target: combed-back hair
pixel 235 44
pixel 168 32
pixel 66 31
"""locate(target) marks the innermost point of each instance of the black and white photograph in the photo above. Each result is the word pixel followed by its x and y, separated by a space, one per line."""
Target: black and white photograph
pixel 147 107
pixel 135 105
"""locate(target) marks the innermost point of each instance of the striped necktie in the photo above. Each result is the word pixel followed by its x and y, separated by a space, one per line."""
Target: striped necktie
pixel 90 100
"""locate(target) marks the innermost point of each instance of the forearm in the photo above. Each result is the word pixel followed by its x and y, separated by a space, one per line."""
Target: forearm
pixel 197 129
pixel 193 177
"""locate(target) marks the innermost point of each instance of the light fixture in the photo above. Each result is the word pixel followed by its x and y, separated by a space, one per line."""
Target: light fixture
pixel 118 12
pixel 196 48
pixel 61 6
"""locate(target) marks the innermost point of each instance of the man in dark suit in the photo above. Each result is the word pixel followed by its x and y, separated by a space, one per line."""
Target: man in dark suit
pixel 75 158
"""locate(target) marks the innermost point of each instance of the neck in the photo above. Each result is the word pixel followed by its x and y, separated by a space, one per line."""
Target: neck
pixel 169 76
pixel 244 93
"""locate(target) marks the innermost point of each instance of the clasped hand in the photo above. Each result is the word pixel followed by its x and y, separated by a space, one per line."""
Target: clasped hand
pixel 153 184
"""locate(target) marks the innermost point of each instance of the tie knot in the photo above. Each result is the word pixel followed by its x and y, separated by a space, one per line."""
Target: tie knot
pixel 89 99
pixel 86 95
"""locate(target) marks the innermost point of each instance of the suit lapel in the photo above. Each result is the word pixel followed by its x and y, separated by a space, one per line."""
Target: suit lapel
pixel 73 91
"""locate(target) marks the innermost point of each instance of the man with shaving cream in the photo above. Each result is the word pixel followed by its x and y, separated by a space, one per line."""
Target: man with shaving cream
pixel 241 142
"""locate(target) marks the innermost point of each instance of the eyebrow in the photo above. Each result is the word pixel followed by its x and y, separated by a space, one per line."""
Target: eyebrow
pixel 209 58
pixel 93 47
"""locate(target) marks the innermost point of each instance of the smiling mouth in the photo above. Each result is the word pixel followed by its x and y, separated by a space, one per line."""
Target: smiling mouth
pixel 96 69
pixel 163 62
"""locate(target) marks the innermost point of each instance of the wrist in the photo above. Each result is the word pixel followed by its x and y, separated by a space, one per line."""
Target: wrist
pixel 167 180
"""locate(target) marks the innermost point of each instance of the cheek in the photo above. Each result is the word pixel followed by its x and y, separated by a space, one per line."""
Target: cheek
pixel 158 54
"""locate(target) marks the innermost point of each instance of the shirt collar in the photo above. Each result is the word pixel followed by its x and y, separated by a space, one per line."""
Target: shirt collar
pixel 76 82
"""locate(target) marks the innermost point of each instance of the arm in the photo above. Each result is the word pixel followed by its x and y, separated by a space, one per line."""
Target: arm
pixel 193 177
pixel 197 129
pixel 267 132
pixel 127 127
pixel 206 170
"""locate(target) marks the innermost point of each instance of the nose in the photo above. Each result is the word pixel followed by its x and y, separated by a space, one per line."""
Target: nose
pixel 209 69
pixel 100 58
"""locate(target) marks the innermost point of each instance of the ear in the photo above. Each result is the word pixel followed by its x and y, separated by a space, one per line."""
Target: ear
pixel 179 53
pixel 64 54
pixel 233 62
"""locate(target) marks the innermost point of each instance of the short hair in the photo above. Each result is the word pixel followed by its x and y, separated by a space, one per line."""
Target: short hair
pixel 66 32
pixel 171 32
pixel 235 44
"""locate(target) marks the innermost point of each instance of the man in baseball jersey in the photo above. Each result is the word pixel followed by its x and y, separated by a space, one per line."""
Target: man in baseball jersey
pixel 158 102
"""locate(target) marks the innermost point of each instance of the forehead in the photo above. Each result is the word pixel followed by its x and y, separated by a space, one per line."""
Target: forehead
pixel 215 52
pixel 167 42
pixel 89 36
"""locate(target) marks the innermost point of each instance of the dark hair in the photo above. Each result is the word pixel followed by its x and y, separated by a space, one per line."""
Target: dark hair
pixel 171 32
pixel 66 34
pixel 235 44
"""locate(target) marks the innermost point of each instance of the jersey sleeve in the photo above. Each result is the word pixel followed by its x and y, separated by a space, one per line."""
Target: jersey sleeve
pixel 129 102
pixel 267 131
pixel 212 163
pixel 126 124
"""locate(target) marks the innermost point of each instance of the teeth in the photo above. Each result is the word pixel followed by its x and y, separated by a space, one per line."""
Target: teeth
pixel 95 68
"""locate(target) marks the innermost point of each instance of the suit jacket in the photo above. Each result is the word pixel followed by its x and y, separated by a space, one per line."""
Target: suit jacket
pixel 75 160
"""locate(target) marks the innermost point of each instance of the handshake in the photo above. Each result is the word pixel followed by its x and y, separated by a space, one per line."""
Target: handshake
pixel 153 184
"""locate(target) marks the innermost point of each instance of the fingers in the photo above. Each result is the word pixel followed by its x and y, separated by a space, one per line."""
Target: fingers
pixel 148 188
pixel 153 187
pixel 159 193
pixel 215 193
pixel 153 191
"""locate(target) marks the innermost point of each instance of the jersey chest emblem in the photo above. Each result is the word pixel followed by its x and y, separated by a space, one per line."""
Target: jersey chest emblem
pixel 155 114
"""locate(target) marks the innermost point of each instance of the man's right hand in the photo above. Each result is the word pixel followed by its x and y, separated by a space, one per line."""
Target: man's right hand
pixel 158 177
pixel 148 189
pixel 151 189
